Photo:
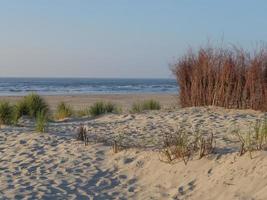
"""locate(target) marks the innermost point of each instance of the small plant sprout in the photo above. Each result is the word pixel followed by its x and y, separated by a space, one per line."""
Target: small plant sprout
pixel 117 144
pixel 82 134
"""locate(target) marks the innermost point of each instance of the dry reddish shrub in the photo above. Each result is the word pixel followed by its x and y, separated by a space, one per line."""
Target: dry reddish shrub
pixel 231 78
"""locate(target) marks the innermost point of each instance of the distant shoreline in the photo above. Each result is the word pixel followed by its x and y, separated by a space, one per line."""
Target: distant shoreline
pixel 2 95
pixel 85 86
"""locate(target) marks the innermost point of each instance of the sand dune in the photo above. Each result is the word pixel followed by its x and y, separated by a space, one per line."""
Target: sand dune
pixel 54 165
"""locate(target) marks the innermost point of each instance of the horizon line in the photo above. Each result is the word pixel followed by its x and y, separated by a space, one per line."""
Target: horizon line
pixel 36 77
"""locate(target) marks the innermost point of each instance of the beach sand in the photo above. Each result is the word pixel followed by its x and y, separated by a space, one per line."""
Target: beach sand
pixel 82 101
pixel 54 165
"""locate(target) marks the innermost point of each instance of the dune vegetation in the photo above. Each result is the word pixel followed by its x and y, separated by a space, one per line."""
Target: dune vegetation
pixel 41 122
pixel 36 108
pixel 31 105
pixel 6 113
pixel 100 108
pixel 145 105
pixel 231 78
pixel 63 111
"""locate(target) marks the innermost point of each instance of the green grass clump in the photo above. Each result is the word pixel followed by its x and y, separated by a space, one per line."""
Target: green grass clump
pixel 20 109
pixel 137 107
pixel 82 113
pixel 110 107
pixel 151 105
pixel 145 105
pixel 63 111
pixel 31 105
pixel 41 121
pixel 35 104
pixel 100 108
pixel 97 108
pixel 6 113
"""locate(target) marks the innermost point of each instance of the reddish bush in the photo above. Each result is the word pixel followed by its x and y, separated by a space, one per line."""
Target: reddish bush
pixel 231 78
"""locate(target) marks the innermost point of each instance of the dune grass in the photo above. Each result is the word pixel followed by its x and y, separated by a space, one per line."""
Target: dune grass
pixel 63 111
pixel 255 139
pixel 41 121
pixel 20 109
pixel 110 107
pixel 151 105
pixel 100 108
pixel 36 108
pixel 145 105
pixel 82 113
pixel 31 105
pixel 36 105
pixel 97 108
pixel 183 145
pixel 136 107
pixel 6 113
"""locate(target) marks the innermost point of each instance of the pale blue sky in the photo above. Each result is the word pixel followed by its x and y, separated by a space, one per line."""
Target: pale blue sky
pixel 118 38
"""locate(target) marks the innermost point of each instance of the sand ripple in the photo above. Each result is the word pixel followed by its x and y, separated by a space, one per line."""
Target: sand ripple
pixel 55 165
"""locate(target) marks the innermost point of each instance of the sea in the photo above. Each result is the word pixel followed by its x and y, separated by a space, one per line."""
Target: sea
pixel 77 86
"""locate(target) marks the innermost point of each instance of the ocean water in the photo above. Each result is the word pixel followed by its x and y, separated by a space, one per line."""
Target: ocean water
pixel 72 86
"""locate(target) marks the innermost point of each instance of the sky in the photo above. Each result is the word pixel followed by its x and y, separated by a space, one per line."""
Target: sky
pixel 118 38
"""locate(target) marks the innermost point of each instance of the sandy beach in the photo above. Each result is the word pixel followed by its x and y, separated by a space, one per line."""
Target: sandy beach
pixel 133 100
pixel 123 100
pixel 54 165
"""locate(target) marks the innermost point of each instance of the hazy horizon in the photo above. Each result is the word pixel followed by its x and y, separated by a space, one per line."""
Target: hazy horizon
pixel 82 77
pixel 118 39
